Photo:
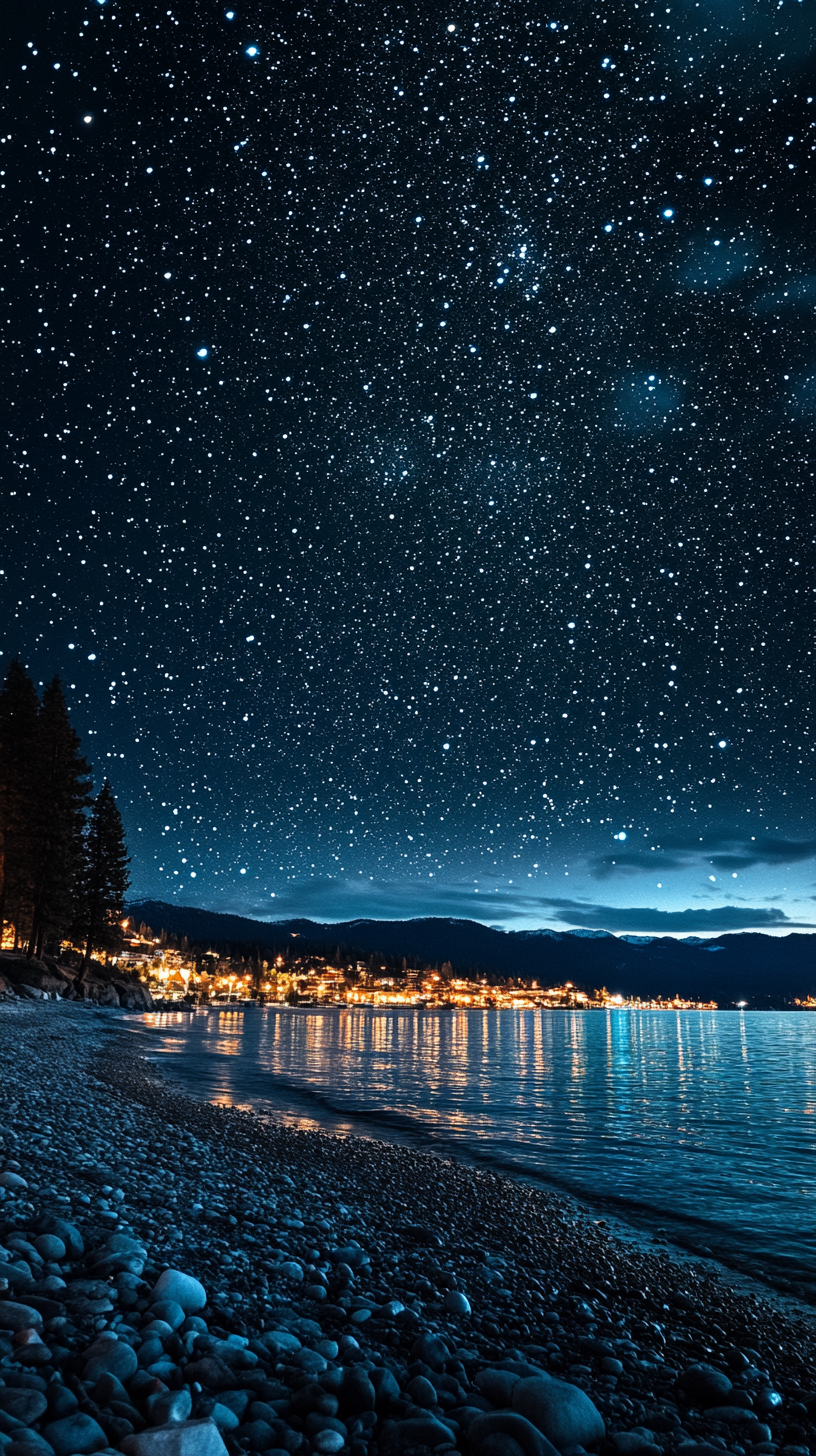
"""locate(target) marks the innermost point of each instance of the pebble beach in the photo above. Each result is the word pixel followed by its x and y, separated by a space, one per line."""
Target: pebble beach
pixel 179 1278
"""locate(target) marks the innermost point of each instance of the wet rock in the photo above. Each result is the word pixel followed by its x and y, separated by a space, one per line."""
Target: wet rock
pixel 505 1433
pixel 25 1406
pixel 565 1414
pixel 14 1316
pixel 386 1388
pixel 68 1232
pixel 455 1302
pixel 77 1433
pixel 28 1443
pixel 414 1433
pixel 166 1407
pixel 497 1385
pixel 432 1350
pixel 191 1438
pixel 703 1385
pixel 114 1357
pixel 631 1443
pixel 421 1392
pixel 182 1289
pixel 357 1394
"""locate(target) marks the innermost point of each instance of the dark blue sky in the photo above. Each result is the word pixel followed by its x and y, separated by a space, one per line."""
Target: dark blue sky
pixel 407 453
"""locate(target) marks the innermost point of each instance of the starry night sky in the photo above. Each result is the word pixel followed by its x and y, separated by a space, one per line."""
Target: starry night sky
pixel 407 458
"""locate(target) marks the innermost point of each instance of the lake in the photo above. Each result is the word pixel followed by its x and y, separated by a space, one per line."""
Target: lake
pixel 697 1127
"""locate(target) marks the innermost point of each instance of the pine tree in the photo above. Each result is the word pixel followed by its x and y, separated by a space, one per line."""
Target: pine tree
pixel 60 794
pixel 105 878
pixel 19 708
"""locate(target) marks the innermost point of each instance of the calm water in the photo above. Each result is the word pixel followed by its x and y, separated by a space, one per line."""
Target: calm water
pixel 701 1124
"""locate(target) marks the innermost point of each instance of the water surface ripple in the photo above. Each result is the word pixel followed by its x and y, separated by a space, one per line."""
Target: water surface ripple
pixel 699 1123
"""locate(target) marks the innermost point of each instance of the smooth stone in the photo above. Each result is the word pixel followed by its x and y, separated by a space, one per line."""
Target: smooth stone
pixel 767 1402
pixel 192 1438
pixel 386 1386
pixel 704 1385
pixel 68 1232
pixel 292 1271
pixel 421 1392
pixel 235 1400
pixel 432 1350
pixel 731 1415
pixel 497 1385
pixel 455 1302
pixel 15 1316
pixel 565 1414
pixel 628 1443
pixel 169 1406
pixel 611 1366
pixel 119 1359
pixel 181 1288
pixel 77 1433
pixel 13 1181
pixel 23 1405
pixel 224 1418
pixel 50 1248
pixel 328 1442
pixel 259 1433
pixel 169 1311
pixel 357 1394
pixel 280 1342
pixel 418 1431
pixel 309 1360
pixel 27 1443
pixel 496 1432
pixel 63 1402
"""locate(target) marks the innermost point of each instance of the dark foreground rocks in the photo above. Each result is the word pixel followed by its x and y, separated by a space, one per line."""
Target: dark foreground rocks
pixel 49 979
pixel 181 1279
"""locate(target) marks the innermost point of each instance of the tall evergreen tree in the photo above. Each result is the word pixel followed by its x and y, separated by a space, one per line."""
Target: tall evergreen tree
pixel 19 709
pixel 57 821
pixel 105 878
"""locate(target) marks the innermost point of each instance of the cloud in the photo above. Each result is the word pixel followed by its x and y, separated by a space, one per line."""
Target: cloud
pixel 669 922
pixel 724 852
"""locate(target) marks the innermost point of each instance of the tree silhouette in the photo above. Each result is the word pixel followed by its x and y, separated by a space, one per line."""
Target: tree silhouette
pixel 104 880
pixel 19 710
pixel 60 794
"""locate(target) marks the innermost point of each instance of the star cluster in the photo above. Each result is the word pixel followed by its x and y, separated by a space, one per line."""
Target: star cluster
pixel 407 451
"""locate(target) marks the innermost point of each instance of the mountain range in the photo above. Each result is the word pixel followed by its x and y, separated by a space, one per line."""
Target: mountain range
pixel 760 970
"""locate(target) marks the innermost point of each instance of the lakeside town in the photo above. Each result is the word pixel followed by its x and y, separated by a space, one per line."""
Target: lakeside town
pixel 180 975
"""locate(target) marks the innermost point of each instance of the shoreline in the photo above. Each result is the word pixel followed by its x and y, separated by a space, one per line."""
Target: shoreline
pixel 259 1212
pixel 280 1098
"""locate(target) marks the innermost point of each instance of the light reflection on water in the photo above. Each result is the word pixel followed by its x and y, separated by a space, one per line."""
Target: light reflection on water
pixel 699 1121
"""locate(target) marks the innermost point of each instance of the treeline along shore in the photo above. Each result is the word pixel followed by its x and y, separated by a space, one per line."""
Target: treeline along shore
pixel 63 860
pixel 185 1279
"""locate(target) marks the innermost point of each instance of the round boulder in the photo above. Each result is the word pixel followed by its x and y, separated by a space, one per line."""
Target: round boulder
pixel 504 1433
pixel 115 1357
pixel 562 1412
pixel 704 1386
pixel 456 1302
pixel 181 1288
pixel 77 1433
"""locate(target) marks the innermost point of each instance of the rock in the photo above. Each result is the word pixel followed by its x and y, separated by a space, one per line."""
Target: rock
pixel 28 1443
pixel 63 1402
pixel 421 1392
pixel 611 1366
pixel 703 1385
pixel 224 1417
pixel 497 1385
pixel 25 1406
pixel 280 1342
pixel 118 1358
pixel 182 1289
pixel 432 1350
pixel 168 1406
pixel 357 1393
pixel 68 1232
pixel 417 1432
pixel 731 1415
pixel 504 1433
pixel 455 1302
pixel 210 1372
pixel 629 1443
pixel 76 1433
pixel 767 1402
pixel 13 1181
pixel 18 1316
pixel 385 1386
pixel 328 1442
pixel 565 1415
pixel 291 1271
pixel 50 1248
pixel 192 1438
pixel 308 1360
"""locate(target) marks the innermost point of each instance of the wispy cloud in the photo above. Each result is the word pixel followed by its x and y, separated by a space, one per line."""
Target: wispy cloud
pixel 721 851
pixel 508 906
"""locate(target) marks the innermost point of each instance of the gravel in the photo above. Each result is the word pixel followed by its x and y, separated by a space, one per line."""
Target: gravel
pixel 179 1278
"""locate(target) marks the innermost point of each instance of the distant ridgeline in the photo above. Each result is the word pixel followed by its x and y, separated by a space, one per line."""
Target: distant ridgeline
pixel 761 970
